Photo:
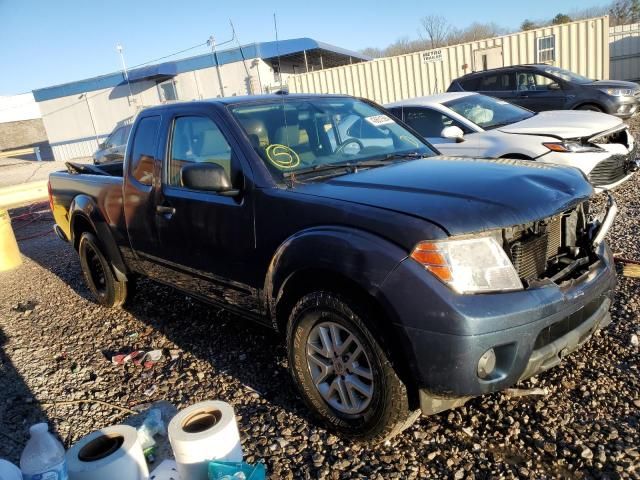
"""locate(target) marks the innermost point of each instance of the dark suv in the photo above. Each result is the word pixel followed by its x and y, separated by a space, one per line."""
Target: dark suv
pixel 112 149
pixel 544 87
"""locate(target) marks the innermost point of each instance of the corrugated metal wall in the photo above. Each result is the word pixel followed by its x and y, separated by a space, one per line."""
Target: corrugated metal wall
pixel 624 51
pixel 579 46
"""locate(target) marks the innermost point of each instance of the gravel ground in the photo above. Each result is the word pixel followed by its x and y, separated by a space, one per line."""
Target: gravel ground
pixel 54 344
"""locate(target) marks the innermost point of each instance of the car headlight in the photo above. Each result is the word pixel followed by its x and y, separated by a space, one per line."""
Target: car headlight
pixel 618 92
pixel 469 265
pixel 574 147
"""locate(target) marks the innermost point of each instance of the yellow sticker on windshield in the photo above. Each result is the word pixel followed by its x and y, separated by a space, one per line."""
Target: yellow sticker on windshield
pixel 282 156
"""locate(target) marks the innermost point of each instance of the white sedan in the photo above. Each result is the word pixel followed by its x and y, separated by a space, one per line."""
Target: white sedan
pixel 474 125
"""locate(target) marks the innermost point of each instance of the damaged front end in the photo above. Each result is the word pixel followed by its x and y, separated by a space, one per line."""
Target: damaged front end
pixel 558 249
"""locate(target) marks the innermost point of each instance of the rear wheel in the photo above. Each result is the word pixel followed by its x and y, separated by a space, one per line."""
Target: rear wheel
pixel 98 275
pixel 342 371
pixel 590 107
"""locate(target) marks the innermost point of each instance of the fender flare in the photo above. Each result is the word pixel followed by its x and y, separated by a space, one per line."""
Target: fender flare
pixel 84 207
pixel 360 256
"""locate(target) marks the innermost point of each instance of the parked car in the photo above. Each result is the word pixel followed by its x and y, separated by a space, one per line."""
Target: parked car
pixel 545 87
pixel 112 149
pixel 401 281
pixel 474 125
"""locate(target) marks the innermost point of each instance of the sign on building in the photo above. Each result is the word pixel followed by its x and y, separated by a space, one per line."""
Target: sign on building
pixel 432 56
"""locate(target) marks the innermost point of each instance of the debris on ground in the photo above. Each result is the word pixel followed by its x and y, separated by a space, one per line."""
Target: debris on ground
pixel 525 392
pixel 138 357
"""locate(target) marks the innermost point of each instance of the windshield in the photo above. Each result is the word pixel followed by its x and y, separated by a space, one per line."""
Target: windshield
pixel 488 112
pixel 295 135
pixel 567 75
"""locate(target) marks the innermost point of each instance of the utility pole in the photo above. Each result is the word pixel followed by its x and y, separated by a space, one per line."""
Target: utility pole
pixel 212 44
pixel 126 74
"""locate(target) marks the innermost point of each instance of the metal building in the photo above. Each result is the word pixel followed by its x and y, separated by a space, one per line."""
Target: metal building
pixel 581 46
pixel 79 115
pixel 624 51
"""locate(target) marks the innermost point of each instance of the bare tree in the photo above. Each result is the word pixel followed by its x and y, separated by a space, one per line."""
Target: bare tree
pixel 436 28
pixel 624 11
pixel 475 31
pixel 372 52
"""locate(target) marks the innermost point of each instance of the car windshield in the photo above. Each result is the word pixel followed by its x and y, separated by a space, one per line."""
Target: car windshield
pixel 488 112
pixel 567 75
pixel 296 135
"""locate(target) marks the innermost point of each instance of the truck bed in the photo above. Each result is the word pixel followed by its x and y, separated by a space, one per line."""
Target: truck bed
pixel 99 184
pixel 114 169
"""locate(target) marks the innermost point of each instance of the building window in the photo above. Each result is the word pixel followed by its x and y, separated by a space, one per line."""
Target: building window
pixel 167 91
pixel 547 49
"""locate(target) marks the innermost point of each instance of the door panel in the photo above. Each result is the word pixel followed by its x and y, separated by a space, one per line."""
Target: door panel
pixel 205 240
pixel 487 58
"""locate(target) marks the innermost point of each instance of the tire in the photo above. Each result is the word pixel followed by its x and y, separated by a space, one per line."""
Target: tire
pixel 98 275
pixel 323 315
pixel 590 107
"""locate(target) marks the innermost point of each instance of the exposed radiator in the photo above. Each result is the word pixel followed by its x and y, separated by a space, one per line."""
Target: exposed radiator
pixel 531 253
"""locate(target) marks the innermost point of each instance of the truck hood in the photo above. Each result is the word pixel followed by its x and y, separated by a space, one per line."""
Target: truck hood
pixel 462 195
pixel 564 124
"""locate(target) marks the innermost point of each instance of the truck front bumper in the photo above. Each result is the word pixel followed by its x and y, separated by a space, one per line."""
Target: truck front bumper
pixel 445 335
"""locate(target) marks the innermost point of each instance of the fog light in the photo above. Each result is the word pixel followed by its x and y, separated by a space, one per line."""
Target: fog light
pixel 487 363
pixel 622 108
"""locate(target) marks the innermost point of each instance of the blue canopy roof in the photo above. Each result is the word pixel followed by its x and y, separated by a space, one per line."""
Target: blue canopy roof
pixel 264 50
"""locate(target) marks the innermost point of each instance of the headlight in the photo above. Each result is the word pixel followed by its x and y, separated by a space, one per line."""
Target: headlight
pixel 472 265
pixel 618 92
pixel 574 147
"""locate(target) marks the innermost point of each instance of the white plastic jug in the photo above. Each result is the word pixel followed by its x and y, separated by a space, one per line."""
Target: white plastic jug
pixel 43 456
pixel 8 471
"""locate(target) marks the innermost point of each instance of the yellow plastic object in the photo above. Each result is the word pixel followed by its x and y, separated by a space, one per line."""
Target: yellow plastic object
pixel 9 253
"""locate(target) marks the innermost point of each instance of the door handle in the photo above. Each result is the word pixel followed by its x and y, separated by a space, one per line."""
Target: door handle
pixel 166 211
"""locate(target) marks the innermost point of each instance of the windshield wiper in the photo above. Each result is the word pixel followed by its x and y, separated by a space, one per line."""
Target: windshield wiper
pixel 394 156
pixel 350 166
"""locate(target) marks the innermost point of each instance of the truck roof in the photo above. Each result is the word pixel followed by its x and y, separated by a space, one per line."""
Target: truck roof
pixel 246 99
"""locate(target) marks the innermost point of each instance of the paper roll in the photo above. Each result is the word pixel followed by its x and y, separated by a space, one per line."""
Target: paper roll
pixel 202 432
pixel 108 454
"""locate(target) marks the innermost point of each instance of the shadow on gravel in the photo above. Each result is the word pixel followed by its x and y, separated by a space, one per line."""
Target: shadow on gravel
pixel 239 348
pixel 232 345
pixel 18 411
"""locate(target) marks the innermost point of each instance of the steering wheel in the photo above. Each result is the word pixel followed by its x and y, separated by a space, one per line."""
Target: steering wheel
pixel 348 142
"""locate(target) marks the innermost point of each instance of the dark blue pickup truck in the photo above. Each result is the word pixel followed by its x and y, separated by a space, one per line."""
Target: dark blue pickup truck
pixel 402 281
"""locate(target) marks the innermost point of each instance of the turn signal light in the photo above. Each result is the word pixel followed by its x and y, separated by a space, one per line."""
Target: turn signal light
pixel 428 255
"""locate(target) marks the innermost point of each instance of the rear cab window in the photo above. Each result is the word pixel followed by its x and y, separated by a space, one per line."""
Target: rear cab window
pixel 143 150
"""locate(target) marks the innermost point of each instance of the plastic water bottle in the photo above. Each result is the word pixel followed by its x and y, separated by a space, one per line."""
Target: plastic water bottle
pixel 43 456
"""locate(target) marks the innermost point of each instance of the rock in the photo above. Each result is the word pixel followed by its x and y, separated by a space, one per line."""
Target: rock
pixel 634 340
pixel 586 453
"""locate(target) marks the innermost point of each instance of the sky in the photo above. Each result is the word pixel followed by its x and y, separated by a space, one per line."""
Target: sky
pixel 47 42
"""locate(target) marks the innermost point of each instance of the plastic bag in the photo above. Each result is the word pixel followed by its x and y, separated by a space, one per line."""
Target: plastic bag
pixel 235 471
pixel 152 425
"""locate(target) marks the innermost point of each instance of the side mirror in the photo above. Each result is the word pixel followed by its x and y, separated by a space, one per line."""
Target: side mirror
pixel 554 86
pixel 453 133
pixel 209 177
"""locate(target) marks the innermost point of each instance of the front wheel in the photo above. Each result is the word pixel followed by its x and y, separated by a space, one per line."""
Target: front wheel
pixel 105 287
pixel 590 107
pixel 342 371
